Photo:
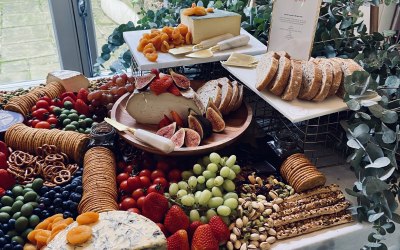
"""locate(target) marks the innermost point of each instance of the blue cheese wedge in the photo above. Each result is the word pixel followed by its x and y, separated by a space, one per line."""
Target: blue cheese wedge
pixel 116 230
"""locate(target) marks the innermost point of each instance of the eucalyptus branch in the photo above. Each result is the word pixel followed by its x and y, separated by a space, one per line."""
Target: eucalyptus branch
pixel 361 146
pixel 341 38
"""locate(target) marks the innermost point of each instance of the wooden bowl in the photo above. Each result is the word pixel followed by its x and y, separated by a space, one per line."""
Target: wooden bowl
pixel 236 123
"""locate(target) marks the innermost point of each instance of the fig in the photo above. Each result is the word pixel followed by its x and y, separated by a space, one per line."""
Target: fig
pixel 200 124
pixel 217 123
pixel 179 138
pixel 142 82
pixel 192 138
pixel 180 81
pixel 211 104
pixel 167 131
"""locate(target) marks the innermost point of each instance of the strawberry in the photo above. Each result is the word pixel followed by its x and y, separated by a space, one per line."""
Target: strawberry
pixel 2 192
pixel 68 94
pixel 176 118
pixel 68 98
pixel 155 206
pixel 82 94
pixel 159 86
pixel 178 241
pixel 4 148
pixel 219 228
pixel 155 72
pixel 164 122
pixel 176 219
pixel 3 161
pixel 203 239
pixel 7 180
pixel 174 90
pixel 192 228
pixel 82 107
pixel 163 229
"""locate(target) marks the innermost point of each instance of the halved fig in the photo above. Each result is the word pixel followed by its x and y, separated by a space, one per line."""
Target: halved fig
pixel 192 112
pixel 211 104
pixel 200 124
pixel 192 138
pixel 179 138
pixel 142 82
pixel 217 123
pixel 180 81
pixel 167 131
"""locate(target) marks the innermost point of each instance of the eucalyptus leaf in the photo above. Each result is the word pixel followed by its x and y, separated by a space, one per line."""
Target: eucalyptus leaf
pixel 387 174
pixel 365 115
pixel 373 185
pixel 389 116
pixel 373 244
pixel 379 237
pixel 396 218
pixel 374 151
pixel 360 129
pixel 388 136
pixel 376 110
pixel 358 185
pixel 391 200
pixel 352 143
pixel 367 103
pixel 353 105
pixel 352 193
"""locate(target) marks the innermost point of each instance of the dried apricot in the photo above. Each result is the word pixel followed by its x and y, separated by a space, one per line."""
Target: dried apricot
pixel 210 10
pixel 41 238
pixel 59 227
pixel 183 29
pixel 156 31
pixel 156 41
pixel 176 34
pixel 152 57
pixel 200 11
pixel 28 246
pixel 31 236
pixel 87 218
pixel 142 43
pixel 178 41
pixel 188 12
pixel 146 36
pixel 164 47
pixel 65 221
pixel 168 30
pixel 52 218
pixel 164 37
pixel 188 38
pixel 152 35
pixel 79 235
pixel 43 225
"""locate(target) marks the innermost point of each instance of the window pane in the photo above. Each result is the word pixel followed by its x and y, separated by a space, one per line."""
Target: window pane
pixel 28 49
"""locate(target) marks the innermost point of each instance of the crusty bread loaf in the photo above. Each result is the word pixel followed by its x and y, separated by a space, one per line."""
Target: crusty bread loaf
pixel 266 69
pixel 240 98
pixel 327 77
pixel 294 82
pixel 278 84
pixel 226 94
pixel 235 97
pixel 337 77
pixel 312 78
pixel 212 90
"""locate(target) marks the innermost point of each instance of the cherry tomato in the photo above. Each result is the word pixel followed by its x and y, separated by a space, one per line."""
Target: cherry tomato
pixel 56 102
pixel 174 175
pixel 52 120
pixel 139 202
pixel 128 169
pixel 42 104
pixel 163 166
pixel 29 123
pixel 128 203
pixel 40 114
pixel 34 122
pixel 45 98
pixel 134 210
pixel 124 186
pixel 122 177
pixel 162 181
pixel 155 188
pixel 145 172
pixel 52 115
pixel 134 182
pixel 156 173
pixel 33 108
pixel 43 124
pixel 138 193
pixel 145 181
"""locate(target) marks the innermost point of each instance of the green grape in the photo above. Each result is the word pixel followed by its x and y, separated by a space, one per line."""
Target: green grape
pixel 216 192
pixel 208 174
pixel 186 175
pixel 197 196
pixel 218 181
pixel 181 193
pixel 210 183
pixel 204 219
pixel 187 200
pixel 229 186
pixel 231 203
pixel 231 175
pixel 210 213
pixel 206 161
pixel 192 181
pixel 205 197
pixel 197 169
pixel 212 167
pixel 215 158
pixel 201 179
pixel 215 202
pixel 200 162
pixel 223 210
pixel 183 185
pixel 231 161
pixel 231 195
pixel 200 186
pixel 167 195
pixel 194 215
pixel 224 172
pixel 226 220
pixel 223 160
pixel 173 189
pixel 236 169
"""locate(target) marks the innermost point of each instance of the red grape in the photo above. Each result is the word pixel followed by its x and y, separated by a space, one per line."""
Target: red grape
pixel 120 82
pixel 104 87
pixel 131 79
pixel 110 105
pixel 96 103
pixel 94 95
pixel 114 78
pixel 114 90
pixel 130 87
pixel 109 84
pixel 121 91
pixel 106 98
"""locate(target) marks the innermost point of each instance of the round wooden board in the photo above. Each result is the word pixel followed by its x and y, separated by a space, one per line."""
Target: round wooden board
pixel 236 123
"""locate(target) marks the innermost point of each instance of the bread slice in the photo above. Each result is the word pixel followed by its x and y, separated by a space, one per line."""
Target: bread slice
pixel 240 98
pixel 266 69
pixel 348 67
pixel 312 78
pixel 280 80
pixel 283 54
pixel 226 94
pixel 337 77
pixel 212 90
pixel 294 83
pixel 235 96
pixel 327 77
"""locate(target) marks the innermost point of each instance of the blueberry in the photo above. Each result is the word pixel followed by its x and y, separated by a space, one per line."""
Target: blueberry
pixel 44 190
pixel 2 242
pixel 65 194
pixel 11 223
pixel 14 243
pixel 6 228
pixel 79 189
pixel 67 187
pixel 46 215
pixel 37 210
pixel 51 208
pixel 73 206
pixel 58 210
pixel 57 189
pixel 9 193
pixel 58 195
pixel 41 199
pixel 51 194
pixel 7 247
pixel 67 214
pixel 1 234
pixel 18 247
pixel 57 202
pixel 47 201
pixel 44 212
pixel 77 197
pixel 65 205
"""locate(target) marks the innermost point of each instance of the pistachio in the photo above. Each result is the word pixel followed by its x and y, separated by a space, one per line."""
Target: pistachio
pixel 245 220
pixel 241 201
pixel 291 192
pixel 278 201
pixel 239 223
pixel 265 246
pixel 261 229
pixel 237 244
pixel 261 207
pixel 255 205
pixel 231 226
pixel 276 207
pixel 233 237
pixel 268 211
pixel 268 204
pixel 261 197
pixel 236 231
pixel 275 181
pixel 271 239
pixel 229 245
pixel 263 237
pixel 255 243
pixel 251 246
pixel 244 246
pixel 254 236
pixel 259 181
pixel 271 231
pixel 252 179
pixel 273 194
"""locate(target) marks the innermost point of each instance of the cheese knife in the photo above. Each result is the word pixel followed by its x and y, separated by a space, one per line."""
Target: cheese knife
pixel 202 45
pixel 163 144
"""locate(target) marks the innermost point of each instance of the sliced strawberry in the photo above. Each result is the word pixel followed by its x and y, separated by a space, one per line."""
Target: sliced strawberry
pixel 174 90
pixel 164 122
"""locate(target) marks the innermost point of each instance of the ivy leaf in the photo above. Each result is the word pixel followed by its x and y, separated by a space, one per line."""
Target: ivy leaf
pixel 379 163
pixel 389 116
pixel 373 185
pixel 374 217
pixel 353 105
pixel 388 136
pixel 387 174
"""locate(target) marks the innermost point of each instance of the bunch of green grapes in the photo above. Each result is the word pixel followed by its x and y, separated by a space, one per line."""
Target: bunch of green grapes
pixel 208 189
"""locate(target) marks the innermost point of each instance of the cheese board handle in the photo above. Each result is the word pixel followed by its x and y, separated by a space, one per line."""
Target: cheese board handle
pixel 157 141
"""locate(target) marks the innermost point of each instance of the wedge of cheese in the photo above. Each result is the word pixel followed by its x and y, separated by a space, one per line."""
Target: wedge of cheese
pixel 211 25
pixel 72 81
pixel 148 108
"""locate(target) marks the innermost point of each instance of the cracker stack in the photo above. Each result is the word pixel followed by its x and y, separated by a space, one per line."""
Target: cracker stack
pixel 311 211
pixel 301 174
pixel 27 139
pixel 23 104
pixel 99 181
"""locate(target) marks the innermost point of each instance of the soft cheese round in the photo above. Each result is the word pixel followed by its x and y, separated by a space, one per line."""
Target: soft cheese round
pixel 116 230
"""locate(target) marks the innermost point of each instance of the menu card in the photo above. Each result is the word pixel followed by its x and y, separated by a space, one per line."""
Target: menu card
pixel 293 26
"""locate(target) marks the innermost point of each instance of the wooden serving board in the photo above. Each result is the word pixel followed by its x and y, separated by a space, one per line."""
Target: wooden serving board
pixel 236 123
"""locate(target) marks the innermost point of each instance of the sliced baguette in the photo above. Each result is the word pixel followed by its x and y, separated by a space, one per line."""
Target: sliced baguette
pixel 327 77
pixel 266 69
pixel 280 80
pixel 212 90
pixel 312 78
pixel 226 94
pixel 337 77
pixel 295 80
pixel 240 99
pixel 235 97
